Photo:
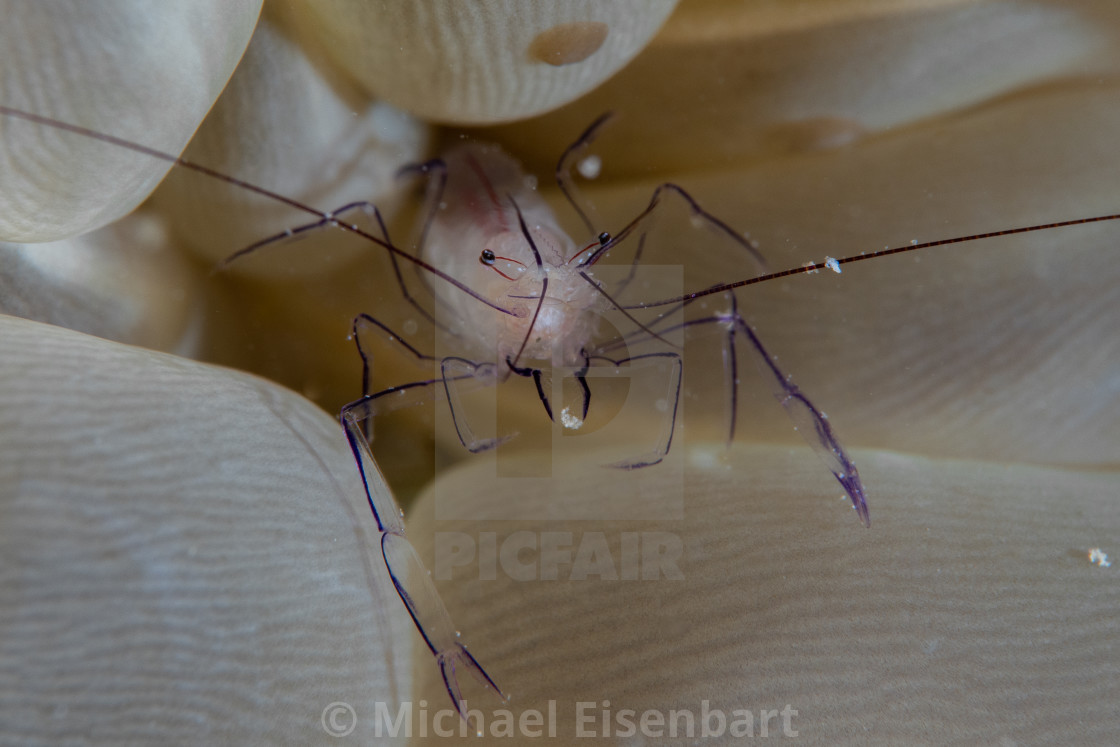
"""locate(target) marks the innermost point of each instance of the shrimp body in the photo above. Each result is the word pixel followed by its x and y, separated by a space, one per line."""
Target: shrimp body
pixel 476 237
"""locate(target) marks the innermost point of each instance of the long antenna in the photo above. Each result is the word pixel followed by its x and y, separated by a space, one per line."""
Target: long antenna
pixel 161 155
pixel 834 264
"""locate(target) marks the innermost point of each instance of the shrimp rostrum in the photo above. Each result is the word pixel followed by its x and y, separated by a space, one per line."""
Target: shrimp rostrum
pixel 518 298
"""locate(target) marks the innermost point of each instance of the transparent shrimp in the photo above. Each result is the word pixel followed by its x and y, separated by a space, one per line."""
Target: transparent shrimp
pixel 493 271
pixel 486 226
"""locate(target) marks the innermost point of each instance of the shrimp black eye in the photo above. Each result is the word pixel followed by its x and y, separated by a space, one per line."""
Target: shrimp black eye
pixel 604 238
pixel 487 257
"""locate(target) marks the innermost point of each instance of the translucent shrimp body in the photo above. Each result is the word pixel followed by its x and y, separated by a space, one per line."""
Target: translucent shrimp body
pixel 476 237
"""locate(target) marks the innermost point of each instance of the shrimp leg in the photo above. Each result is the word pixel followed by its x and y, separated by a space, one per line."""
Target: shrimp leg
pixel 583 207
pixel 330 219
pixel 411 580
pixel 808 420
pixel 645 219
pixel 457 375
pixel 673 394
pixel 434 171
pixel 356 327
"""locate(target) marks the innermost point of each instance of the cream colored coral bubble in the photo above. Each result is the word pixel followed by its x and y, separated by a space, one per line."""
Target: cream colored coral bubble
pixel 285 124
pixel 747 81
pixel 162 520
pixel 137 70
pixel 784 598
pixel 480 62
pixel 123 282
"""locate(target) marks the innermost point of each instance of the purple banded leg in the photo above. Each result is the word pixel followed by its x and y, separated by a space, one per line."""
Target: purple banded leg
pixel 335 218
pixel 459 376
pixel 672 394
pixel 808 420
pixel 635 245
pixel 584 209
pixel 412 581
pixel 538 380
pixel 645 220
pixel 396 265
pixel 329 219
pixel 434 172
pixel 356 327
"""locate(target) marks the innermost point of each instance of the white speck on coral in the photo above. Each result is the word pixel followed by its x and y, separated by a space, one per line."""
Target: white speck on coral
pixel 810 268
pixel 832 264
pixel 1100 557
